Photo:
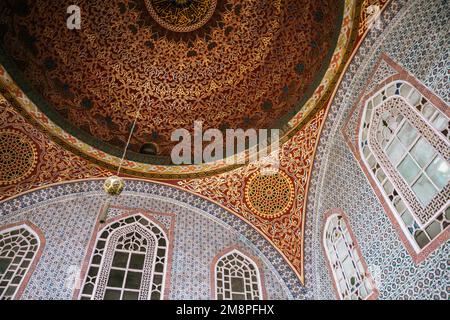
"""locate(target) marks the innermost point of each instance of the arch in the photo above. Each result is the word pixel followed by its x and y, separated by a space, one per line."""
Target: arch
pixel 234 269
pixel 21 246
pixel 163 192
pixel 129 260
pixel 404 145
pixel 347 267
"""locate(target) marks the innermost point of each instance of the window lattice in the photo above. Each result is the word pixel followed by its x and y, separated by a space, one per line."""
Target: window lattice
pixel 346 264
pixel 404 142
pixel 237 278
pixel 18 248
pixel 128 262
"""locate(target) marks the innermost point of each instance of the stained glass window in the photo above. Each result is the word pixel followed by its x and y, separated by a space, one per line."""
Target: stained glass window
pixel 347 266
pixel 18 249
pixel 237 278
pixel 128 262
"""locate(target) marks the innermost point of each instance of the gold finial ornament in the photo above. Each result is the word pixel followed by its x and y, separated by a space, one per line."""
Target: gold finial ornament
pixel 114 186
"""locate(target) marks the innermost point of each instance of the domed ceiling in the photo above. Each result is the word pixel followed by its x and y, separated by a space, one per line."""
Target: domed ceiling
pixel 228 63
pixel 58 86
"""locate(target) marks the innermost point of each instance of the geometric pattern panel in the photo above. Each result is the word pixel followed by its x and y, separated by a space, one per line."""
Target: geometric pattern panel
pixel 17 157
pixel 29 159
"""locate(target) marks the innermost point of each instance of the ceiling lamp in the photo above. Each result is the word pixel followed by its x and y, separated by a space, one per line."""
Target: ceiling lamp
pixel 115 185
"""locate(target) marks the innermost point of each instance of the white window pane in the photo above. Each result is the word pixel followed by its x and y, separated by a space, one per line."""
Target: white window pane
pixel 348 270
pixel 342 249
pixel 395 151
pixel 424 190
pixel 400 205
pixel 388 187
pixel 439 172
pixel 405 90
pixel 408 169
pixel 407 134
pixel 348 238
pixel 360 267
pixel 329 245
pixel 407 218
pixel 381 176
pixel 434 229
pixel 390 91
pixel 423 152
pixel 415 98
pixel 440 122
pixel 368 285
pixel 240 280
pixel 348 267
pixel 428 110
pixel 422 239
pixel 363 292
pixel 377 100
pixel 415 179
pixel 333 258
pixel 342 285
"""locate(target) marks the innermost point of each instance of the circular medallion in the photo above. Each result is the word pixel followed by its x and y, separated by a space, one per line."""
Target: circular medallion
pixel 181 15
pixel 269 196
pixel 18 156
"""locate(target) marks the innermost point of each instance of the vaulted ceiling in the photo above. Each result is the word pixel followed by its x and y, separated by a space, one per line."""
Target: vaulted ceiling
pixel 231 64
pixel 70 96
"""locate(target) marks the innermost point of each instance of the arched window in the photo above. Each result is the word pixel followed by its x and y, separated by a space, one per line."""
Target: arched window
pixel 237 278
pixel 404 144
pixel 19 247
pixel 128 263
pixel 352 280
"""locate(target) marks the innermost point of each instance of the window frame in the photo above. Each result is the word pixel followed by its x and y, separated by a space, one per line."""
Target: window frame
pixel 40 239
pixel 251 259
pixel 409 199
pixel 385 72
pixel 336 212
pixel 96 237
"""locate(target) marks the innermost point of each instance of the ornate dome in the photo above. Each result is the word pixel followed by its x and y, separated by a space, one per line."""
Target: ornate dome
pixel 228 63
